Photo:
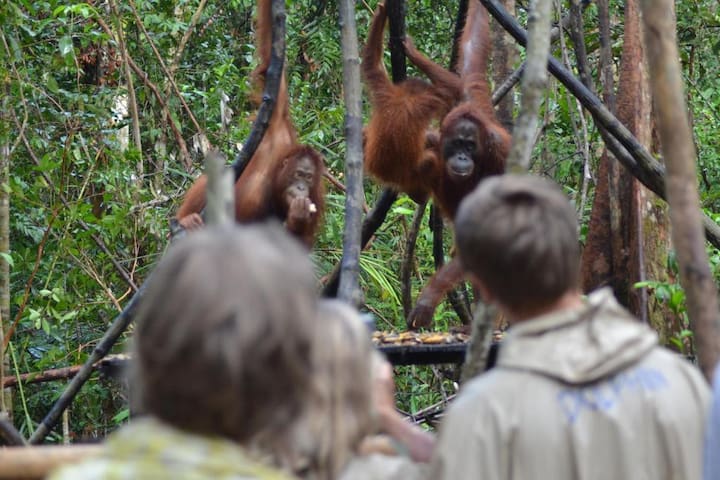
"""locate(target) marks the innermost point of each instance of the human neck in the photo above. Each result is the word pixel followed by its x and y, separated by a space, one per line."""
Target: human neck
pixel 570 299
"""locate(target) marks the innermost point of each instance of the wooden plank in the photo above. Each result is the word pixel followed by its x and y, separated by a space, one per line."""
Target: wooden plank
pixel 37 462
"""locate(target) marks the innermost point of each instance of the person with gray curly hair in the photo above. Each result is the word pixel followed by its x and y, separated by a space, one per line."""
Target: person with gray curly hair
pixel 222 361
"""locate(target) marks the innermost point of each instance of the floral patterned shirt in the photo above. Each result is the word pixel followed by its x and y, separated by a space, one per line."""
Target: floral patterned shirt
pixel 148 449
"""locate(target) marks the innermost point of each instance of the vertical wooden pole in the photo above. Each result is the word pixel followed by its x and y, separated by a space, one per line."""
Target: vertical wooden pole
pixel 220 203
pixel 349 289
pixel 681 180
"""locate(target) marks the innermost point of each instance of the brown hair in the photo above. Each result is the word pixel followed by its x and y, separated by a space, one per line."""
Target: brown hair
pixel 519 235
pixel 222 345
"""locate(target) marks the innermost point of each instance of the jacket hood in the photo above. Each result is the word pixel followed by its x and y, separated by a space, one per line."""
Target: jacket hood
pixel 580 345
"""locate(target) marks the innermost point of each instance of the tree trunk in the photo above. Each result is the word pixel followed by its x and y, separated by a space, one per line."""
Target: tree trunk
pixel 597 258
pixel 681 180
pixel 644 222
pixel 349 289
pixel 220 192
pixel 504 54
pixel 633 105
pixel 534 81
pixel 132 100
pixel 628 240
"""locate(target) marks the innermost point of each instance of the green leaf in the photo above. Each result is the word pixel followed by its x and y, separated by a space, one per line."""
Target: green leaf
pixel 68 316
pixel 716 48
pixel 8 258
pixel 403 211
pixel 34 316
pixel 122 415
pixel 685 333
pixel 66 46
pixel 51 84
pixel 45 326
pixel 677 343
pixel 677 298
pixel 662 292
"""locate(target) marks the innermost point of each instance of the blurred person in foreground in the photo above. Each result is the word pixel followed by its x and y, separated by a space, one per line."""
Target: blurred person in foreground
pixel 221 361
pixel 581 390
pixel 712 439
pixel 351 429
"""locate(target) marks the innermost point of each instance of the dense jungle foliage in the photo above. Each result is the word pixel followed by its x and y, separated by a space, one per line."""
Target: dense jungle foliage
pixel 88 213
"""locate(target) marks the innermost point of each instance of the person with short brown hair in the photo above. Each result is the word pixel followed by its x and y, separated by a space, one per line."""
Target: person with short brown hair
pixel 222 360
pixel 531 230
pixel 581 390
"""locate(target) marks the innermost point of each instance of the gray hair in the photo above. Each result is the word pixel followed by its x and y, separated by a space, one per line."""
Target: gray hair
pixel 224 331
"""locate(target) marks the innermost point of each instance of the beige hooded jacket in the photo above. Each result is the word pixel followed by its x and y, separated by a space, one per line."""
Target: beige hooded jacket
pixel 582 394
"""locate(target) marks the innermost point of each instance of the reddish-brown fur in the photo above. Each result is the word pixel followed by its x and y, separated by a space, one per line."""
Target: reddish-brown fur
pixel 259 192
pixel 475 105
pixel 491 140
pixel 305 224
pixel 395 152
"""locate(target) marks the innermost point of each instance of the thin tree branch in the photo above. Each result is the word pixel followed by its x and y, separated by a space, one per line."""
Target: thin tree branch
pixel 406 268
pixel 508 84
pixel 186 37
pixel 515 76
pixel 533 85
pixel 607 74
pixel 168 74
pixel 340 186
pixel 132 100
pixel 116 329
pixel 373 220
pixel 577 36
pixel 623 145
pixel 40 377
pixel 184 153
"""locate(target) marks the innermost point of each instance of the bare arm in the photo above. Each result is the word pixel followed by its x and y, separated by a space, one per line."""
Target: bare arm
pixel 419 443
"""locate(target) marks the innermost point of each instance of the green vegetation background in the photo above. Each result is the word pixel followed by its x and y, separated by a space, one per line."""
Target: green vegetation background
pixel 59 125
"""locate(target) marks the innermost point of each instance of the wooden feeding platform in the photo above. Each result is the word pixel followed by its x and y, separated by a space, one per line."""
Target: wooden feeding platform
pixel 424 354
pixel 405 348
pixel 415 348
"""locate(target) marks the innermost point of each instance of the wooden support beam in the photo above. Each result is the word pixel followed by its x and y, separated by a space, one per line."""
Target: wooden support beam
pixel 37 462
